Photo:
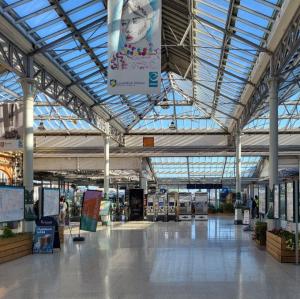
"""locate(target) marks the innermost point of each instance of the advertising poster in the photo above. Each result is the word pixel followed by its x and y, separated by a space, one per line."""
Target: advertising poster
pixel 11 126
pixel 276 201
pixel 90 210
pixel 289 202
pixel 134 29
pixel 105 208
pixel 43 239
pixel 262 199
pixel 11 204
pixel 50 205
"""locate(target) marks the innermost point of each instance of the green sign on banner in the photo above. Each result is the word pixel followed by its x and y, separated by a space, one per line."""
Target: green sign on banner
pixel 90 210
pixel 105 208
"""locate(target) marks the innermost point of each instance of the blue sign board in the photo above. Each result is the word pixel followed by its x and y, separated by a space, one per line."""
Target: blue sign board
pixel 43 239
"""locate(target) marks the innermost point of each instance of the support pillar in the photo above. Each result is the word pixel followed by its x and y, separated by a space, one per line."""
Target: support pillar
pixel 273 133
pixel 28 147
pixel 143 176
pixel 238 185
pixel 106 166
pixel 238 218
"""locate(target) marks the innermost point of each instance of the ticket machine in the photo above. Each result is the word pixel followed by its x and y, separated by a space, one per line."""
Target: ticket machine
pixel 161 207
pixel 201 205
pixel 185 208
pixel 172 206
pixel 151 207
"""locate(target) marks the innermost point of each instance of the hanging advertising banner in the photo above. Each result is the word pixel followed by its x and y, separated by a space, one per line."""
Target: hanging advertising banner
pixel 11 126
pixel 90 210
pixel 134 29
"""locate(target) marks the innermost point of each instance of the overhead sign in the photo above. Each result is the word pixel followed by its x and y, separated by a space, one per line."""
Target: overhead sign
pixel 90 210
pixel 204 186
pixel 134 28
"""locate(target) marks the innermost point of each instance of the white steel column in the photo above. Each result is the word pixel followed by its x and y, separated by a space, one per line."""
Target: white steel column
pixel 28 144
pixel 106 166
pixel 143 176
pixel 273 148
pixel 238 144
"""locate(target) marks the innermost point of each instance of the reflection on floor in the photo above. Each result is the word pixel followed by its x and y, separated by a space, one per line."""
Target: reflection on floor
pixel 213 259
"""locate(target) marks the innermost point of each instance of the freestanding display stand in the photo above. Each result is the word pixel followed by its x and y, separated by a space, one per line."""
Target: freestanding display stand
pixel 201 205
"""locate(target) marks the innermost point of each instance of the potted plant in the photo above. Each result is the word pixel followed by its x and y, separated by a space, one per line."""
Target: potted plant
pixel 260 233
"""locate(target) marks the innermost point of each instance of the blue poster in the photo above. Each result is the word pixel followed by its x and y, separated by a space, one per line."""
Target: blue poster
pixel 43 239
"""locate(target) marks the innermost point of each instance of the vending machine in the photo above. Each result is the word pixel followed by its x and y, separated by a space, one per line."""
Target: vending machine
pixel 161 207
pixel 151 207
pixel 185 206
pixel 136 204
pixel 201 205
pixel 172 206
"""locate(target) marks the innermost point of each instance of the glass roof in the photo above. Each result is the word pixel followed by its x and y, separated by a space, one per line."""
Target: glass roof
pixel 191 168
pixel 73 34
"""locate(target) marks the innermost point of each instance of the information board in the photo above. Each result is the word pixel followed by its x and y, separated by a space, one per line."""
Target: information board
pixel 289 202
pixel 50 203
pixel 43 239
pixel 11 203
pixel 262 199
pixel 276 201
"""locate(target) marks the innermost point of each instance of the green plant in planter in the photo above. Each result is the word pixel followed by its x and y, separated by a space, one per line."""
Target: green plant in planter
pixel 228 208
pixel 7 233
pixel 290 238
pixel 261 232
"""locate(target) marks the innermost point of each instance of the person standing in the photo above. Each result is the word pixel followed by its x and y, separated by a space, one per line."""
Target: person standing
pixel 257 205
pixel 62 210
pixel 253 208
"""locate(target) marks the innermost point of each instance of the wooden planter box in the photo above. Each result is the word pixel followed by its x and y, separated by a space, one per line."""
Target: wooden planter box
pixel 15 247
pixel 61 231
pixel 277 248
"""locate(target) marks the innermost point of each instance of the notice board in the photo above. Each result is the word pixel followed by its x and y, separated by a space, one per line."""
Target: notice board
pixel 11 203
pixel 50 202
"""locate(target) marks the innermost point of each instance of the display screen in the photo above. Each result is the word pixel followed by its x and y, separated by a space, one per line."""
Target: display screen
pixel 282 201
pixel 289 202
pixel 171 204
pixel 262 199
pixel 150 204
pixel 161 204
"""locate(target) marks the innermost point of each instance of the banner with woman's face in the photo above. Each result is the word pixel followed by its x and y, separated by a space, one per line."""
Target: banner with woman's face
pixel 134 56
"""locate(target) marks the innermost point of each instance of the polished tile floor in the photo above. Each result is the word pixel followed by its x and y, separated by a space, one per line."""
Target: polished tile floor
pixel 213 259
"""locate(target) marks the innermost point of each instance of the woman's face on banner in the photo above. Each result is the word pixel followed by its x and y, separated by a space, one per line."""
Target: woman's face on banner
pixel 135 25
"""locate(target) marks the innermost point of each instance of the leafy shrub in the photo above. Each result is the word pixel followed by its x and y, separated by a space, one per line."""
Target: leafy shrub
pixel 261 232
pixel 290 238
pixel 228 208
pixel 7 233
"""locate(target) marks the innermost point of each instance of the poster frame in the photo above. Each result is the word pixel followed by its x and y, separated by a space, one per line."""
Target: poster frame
pixel 43 198
pixel 16 187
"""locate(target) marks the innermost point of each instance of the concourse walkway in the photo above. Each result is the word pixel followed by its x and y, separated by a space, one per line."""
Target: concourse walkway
pixel 213 259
